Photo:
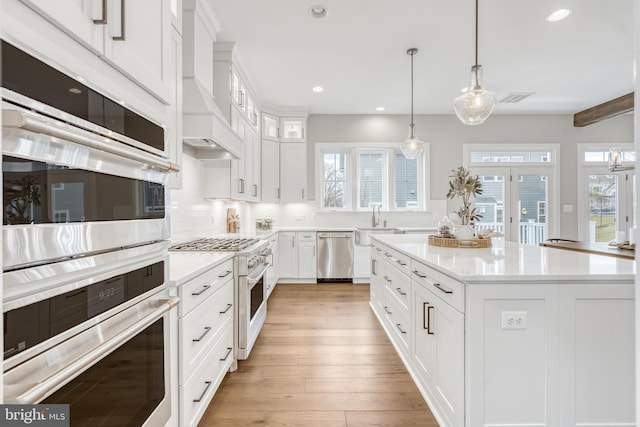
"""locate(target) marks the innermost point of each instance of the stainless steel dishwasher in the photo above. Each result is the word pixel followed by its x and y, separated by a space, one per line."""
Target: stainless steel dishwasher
pixel 335 256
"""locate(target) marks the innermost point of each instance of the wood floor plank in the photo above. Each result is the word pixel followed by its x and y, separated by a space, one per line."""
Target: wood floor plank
pixel 322 359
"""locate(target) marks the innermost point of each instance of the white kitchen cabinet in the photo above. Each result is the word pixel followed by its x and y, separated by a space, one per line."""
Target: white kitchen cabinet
pixel 254 161
pixel 133 36
pixel 293 172
pixel 438 352
pixel 361 263
pixel 307 268
pixel 176 15
pixel 270 127
pixel 205 338
pixel 293 129
pixel 270 171
pixel 288 254
pixel 273 273
pixel 175 110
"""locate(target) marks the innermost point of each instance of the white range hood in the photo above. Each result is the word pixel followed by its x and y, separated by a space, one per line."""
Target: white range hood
pixel 204 126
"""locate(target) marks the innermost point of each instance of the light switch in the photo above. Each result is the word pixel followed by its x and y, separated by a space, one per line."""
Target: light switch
pixel 567 208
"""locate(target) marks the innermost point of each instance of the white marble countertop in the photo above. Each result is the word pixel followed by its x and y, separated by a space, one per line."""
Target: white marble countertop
pixel 184 266
pixel 512 262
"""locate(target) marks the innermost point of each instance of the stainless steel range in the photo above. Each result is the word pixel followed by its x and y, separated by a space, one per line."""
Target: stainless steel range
pixel 252 259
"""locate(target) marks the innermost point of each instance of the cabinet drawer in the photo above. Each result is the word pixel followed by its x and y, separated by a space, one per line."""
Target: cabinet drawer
pixel 446 288
pixel 196 394
pixel 398 286
pixel 400 260
pixel 398 319
pixel 306 236
pixel 201 327
pixel 198 289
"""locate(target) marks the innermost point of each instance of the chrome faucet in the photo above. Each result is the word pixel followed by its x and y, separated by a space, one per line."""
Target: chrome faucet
pixel 374 221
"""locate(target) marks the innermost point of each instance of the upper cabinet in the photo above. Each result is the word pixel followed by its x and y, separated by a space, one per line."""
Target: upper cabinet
pixel 293 129
pixel 133 36
pixel 270 127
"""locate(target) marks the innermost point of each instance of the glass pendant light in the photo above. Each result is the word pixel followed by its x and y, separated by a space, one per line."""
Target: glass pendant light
pixel 412 147
pixel 475 104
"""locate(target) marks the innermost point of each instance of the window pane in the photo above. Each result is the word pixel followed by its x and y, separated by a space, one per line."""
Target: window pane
pixel 510 157
pixel 406 182
pixel 334 182
pixel 602 207
pixel 370 178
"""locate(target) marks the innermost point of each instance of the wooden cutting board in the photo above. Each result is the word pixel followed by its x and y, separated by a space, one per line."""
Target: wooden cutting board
pixel 231 222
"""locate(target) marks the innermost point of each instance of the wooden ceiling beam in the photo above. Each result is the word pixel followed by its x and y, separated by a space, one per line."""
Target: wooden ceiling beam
pixel 606 110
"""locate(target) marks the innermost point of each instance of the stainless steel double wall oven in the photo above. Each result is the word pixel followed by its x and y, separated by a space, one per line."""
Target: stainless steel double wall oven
pixel 85 262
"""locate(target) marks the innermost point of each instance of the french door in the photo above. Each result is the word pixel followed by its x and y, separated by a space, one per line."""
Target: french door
pixel 516 201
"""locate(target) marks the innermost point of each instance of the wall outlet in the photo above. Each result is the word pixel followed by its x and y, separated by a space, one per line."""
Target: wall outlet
pixel 514 320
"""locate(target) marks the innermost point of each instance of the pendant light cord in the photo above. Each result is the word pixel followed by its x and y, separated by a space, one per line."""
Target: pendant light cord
pixel 412 52
pixel 476 67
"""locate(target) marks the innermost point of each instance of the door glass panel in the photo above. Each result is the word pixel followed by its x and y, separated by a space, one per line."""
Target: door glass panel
pixel 490 204
pixel 292 129
pixel 533 202
pixel 603 203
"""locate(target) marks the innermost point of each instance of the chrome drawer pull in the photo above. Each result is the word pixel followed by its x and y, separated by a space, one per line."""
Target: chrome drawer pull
pixel 429 320
pixel 400 329
pixel 227 309
pixel 103 18
pixel 400 291
pixel 226 274
pixel 198 400
pixel 446 291
pixel 226 355
pixel 388 312
pixel 402 263
pixel 207 329
pixel 387 279
pixel 204 289
pixel 417 273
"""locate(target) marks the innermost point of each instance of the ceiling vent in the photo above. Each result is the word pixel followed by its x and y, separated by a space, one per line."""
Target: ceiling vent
pixel 515 97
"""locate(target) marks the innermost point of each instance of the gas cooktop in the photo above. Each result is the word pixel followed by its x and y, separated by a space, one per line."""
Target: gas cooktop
pixel 215 244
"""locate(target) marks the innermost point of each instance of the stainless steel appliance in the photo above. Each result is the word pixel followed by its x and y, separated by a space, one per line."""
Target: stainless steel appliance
pixel 86 306
pixel 251 261
pixel 335 256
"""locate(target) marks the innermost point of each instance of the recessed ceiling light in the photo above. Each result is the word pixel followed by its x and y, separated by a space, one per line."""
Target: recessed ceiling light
pixel 318 89
pixel 380 108
pixel 318 11
pixel 75 90
pixel 558 15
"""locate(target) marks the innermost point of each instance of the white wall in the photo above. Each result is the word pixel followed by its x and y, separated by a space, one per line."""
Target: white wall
pixel 447 135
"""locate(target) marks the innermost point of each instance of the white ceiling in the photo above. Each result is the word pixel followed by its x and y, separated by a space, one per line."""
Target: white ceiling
pixel 358 52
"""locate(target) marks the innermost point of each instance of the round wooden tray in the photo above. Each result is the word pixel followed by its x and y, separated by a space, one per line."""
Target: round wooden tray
pixel 455 243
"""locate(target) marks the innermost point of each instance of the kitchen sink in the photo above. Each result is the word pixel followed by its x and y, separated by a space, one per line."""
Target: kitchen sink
pixel 363 234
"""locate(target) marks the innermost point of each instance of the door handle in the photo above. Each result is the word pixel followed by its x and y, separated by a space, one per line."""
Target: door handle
pixel 103 18
pixel 121 37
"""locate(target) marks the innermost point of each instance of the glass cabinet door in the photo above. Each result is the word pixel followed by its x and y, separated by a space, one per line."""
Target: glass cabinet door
pixel 293 130
pixel 270 127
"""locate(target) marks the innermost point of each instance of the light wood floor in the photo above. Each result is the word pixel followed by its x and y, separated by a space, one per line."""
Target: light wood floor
pixel 322 359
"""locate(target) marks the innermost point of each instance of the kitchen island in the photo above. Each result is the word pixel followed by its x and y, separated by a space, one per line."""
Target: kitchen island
pixel 512 334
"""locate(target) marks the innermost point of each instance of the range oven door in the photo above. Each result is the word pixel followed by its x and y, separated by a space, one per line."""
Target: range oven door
pixel 98 338
pixel 252 309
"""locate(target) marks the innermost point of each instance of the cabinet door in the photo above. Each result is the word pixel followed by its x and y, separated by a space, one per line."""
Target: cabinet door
pixel 270 127
pixel 175 109
pixel 307 260
pixel 270 171
pixel 239 185
pixel 362 262
pixel 438 352
pixel 254 163
pixel 84 20
pixel 293 129
pixel 287 255
pixel 293 172
pixel 136 42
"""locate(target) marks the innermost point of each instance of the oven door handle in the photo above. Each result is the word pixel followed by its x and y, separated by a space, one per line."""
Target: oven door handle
pixel 253 279
pixel 52 383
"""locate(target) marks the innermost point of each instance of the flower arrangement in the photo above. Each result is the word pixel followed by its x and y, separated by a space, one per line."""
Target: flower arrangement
pixel 465 186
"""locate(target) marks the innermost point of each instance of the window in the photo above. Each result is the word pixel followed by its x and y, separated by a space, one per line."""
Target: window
pixel 406 174
pixel 357 177
pixel 334 183
pixel 371 182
